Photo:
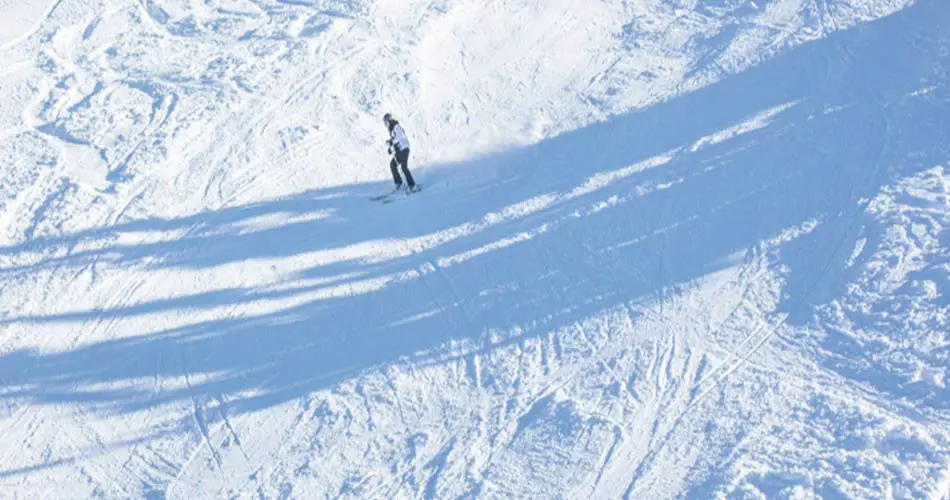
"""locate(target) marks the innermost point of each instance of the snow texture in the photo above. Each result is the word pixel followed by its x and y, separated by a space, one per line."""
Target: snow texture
pixel 666 249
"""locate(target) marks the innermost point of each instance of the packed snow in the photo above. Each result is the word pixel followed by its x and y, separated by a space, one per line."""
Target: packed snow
pixel 663 249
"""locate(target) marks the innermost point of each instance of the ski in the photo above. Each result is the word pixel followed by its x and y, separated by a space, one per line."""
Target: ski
pixel 389 197
pixel 406 193
pixel 385 195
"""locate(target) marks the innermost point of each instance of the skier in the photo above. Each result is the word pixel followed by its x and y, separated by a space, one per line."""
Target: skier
pixel 399 148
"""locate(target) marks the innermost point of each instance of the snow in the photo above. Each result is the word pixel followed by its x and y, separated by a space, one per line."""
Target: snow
pixel 664 249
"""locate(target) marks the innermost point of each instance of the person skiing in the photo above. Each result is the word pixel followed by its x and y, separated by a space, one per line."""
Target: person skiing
pixel 399 149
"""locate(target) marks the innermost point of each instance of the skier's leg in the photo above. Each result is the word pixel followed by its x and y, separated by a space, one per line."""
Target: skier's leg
pixel 403 157
pixel 393 166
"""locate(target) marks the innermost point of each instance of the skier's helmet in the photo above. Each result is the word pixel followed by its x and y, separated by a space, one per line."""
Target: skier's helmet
pixel 387 118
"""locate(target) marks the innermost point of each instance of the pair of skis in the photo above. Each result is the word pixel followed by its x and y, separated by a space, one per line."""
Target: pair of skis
pixel 391 196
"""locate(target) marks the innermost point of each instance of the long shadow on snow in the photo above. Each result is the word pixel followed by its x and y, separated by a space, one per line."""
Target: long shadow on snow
pixel 839 128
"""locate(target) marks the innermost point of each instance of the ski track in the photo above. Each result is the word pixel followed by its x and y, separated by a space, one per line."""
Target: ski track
pixel 650 260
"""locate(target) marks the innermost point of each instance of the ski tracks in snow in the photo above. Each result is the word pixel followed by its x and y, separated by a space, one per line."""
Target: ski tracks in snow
pixel 575 370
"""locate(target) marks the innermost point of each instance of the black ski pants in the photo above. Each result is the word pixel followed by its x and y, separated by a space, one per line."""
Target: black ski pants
pixel 401 158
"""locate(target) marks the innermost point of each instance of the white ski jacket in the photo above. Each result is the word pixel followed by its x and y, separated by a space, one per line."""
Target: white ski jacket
pixel 397 138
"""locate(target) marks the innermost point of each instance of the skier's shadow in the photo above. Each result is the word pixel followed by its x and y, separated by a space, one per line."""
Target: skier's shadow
pixel 629 236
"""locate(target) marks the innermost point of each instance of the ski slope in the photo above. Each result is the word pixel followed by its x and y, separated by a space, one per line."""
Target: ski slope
pixel 664 249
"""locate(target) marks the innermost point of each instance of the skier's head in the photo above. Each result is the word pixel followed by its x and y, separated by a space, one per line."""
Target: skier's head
pixel 388 119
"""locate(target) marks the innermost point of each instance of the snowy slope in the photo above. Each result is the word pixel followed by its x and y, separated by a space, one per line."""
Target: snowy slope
pixel 665 249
